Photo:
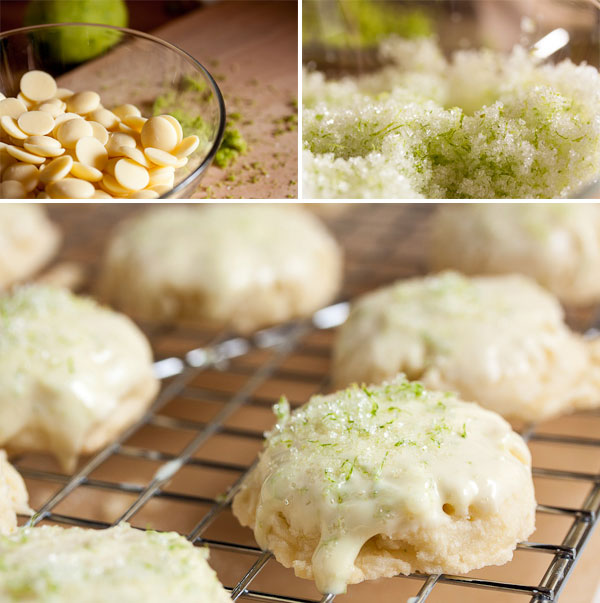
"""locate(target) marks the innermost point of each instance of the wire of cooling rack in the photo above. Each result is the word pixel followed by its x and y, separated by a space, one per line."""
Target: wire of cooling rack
pixel 179 374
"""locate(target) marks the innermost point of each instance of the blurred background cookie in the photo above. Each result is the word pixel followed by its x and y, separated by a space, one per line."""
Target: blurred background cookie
pixel 28 240
pixel 556 244
pixel 245 266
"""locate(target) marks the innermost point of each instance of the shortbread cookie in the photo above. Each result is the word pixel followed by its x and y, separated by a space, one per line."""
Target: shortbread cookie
pixel 121 564
pixel 241 266
pixel 28 240
pixel 72 373
pixel 500 341
pixel 556 244
pixel 13 495
pixel 380 480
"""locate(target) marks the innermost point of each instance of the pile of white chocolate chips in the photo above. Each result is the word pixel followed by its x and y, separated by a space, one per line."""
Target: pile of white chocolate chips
pixel 57 144
pixel 481 124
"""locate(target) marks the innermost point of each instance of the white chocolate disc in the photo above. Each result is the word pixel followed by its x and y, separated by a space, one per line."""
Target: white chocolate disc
pixel 136 154
pixel 36 123
pixel 43 151
pixel 70 188
pixel 131 175
pixel 123 111
pixel 12 189
pixel 62 118
pixel 86 172
pixel 116 140
pixel 145 194
pixel 160 189
pixel 100 194
pixel 69 132
pixel 159 133
pixel 54 106
pixel 186 147
pixel 105 117
pixel 10 126
pixel 22 155
pixel 99 132
pixel 91 151
pixel 63 93
pixel 113 187
pixel 135 122
pixel 162 176
pixel 159 157
pixel 56 169
pixel 178 129
pixel 25 173
pixel 12 107
pixel 83 102
pixel 38 86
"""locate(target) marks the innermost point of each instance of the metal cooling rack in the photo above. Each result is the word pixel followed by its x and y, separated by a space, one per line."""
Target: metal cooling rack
pixel 233 373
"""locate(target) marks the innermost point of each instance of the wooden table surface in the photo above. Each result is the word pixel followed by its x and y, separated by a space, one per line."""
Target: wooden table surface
pixel 251 49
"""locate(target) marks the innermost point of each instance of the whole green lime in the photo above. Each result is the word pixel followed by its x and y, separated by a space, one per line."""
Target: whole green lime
pixel 77 44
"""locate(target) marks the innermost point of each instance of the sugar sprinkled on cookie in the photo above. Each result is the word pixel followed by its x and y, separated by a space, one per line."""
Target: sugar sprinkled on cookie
pixel 481 125
pixel 379 480
pixel 72 373
pixel 50 563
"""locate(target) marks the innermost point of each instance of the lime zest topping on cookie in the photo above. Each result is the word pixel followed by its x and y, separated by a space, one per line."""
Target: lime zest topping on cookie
pixel 377 461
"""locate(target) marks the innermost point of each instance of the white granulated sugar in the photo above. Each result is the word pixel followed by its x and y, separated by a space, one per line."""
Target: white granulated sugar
pixel 481 125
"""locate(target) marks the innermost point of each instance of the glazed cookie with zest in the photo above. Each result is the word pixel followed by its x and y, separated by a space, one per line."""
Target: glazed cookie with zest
pixel 72 373
pixel 498 340
pixel 123 564
pixel 374 481
pixel 244 266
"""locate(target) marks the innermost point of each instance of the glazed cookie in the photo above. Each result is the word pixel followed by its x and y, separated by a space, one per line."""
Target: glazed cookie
pixel 72 373
pixel 241 266
pixel 122 564
pixel 13 495
pixel 380 480
pixel 498 340
pixel 27 241
pixel 556 244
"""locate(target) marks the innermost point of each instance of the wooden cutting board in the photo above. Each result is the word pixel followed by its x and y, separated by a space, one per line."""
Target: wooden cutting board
pixel 251 49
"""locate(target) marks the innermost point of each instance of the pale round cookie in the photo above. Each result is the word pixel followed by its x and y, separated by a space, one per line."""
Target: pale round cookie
pixel 13 495
pixel 556 244
pixel 499 340
pixel 375 481
pixel 244 266
pixel 28 240
pixel 122 564
pixel 72 373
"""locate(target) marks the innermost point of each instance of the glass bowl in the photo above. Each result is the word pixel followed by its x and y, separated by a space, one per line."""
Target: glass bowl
pixel 337 42
pixel 124 66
